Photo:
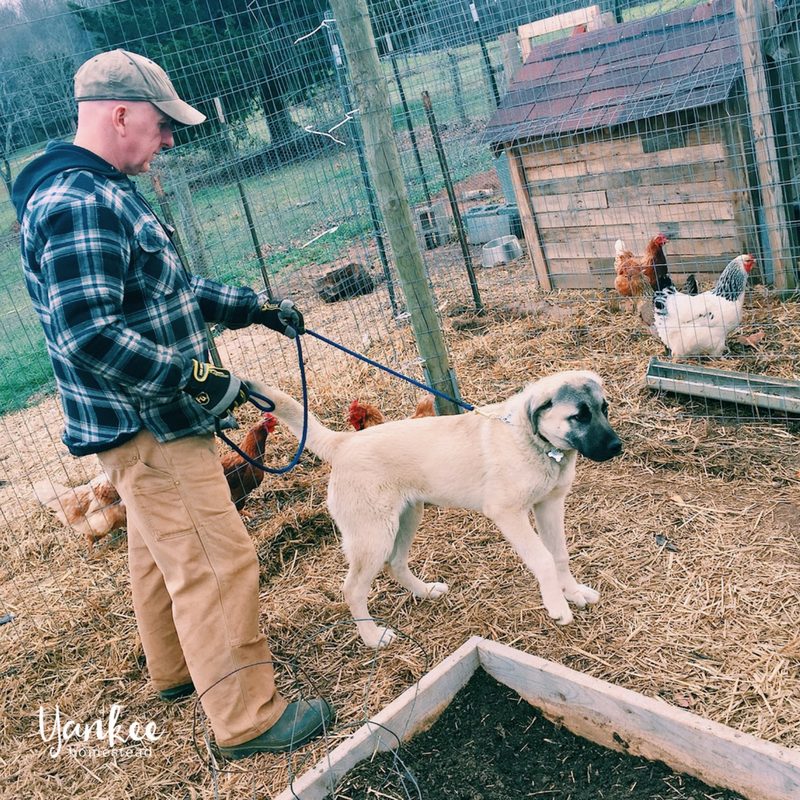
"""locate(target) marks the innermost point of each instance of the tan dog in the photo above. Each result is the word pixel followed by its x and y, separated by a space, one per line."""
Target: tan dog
pixel 506 460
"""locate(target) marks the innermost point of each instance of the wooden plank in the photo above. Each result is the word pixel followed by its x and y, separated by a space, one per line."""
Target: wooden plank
pixel 570 202
pixel 752 17
pixel 738 183
pixel 593 281
pixel 661 158
pixel 568 151
pixel 633 215
pixel 606 714
pixel 684 192
pixel 625 154
pixel 559 22
pixel 556 171
pixel 583 273
pixel 674 174
pixel 599 242
pixel 530 228
pixel 413 711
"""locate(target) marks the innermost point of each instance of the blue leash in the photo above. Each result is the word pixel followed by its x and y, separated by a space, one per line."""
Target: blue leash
pixel 465 406
pixel 265 404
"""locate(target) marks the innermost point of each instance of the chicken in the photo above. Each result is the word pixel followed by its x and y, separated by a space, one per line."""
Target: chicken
pixel 632 271
pixel 93 509
pixel 96 509
pixel 425 407
pixel 242 476
pixel 693 325
pixel 364 415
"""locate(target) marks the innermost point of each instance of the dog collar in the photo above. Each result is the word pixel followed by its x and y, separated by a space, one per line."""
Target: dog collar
pixel 506 418
pixel 554 453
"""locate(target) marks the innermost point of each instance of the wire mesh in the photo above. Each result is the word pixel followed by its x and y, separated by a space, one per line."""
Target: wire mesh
pixel 626 121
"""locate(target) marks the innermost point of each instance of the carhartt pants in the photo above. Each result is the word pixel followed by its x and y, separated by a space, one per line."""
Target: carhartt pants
pixel 194 578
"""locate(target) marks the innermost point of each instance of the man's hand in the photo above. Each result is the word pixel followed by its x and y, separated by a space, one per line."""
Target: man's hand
pixel 282 317
pixel 216 389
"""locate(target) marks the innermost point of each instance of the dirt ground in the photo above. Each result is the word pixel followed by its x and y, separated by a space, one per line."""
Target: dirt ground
pixel 692 537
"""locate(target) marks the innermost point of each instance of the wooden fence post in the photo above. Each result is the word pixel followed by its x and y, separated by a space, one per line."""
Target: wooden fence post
pixel 753 19
pixel 369 84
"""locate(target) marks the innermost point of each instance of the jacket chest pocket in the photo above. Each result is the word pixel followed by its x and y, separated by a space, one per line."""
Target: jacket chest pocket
pixel 155 259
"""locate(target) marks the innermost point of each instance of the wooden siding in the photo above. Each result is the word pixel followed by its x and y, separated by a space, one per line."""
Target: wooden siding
pixel 585 191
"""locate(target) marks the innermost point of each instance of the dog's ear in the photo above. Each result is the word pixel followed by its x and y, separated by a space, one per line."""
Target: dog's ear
pixel 537 404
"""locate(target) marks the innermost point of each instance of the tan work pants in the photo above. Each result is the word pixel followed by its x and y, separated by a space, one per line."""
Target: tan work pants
pixel 194 579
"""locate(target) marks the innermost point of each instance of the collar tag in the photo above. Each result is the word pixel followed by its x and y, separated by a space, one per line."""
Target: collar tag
pixel 556 455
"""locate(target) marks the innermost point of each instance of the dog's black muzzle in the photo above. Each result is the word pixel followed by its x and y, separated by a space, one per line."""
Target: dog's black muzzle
pixel 598 443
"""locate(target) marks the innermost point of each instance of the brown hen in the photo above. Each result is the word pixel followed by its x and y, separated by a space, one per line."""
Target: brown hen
pixel 365 415
pixel 95 509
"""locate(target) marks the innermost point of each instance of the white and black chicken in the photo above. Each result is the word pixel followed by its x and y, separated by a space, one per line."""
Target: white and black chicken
pixel 694 325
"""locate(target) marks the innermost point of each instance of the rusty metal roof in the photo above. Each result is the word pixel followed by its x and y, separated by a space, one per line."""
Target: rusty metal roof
pixel 672 62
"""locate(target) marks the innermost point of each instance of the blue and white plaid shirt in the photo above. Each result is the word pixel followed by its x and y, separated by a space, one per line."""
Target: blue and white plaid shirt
pixel 121 318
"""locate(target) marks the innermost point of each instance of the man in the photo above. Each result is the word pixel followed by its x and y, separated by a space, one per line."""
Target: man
pixel 125 331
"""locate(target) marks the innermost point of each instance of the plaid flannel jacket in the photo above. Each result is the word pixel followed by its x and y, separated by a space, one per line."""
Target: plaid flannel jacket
pixel 121 318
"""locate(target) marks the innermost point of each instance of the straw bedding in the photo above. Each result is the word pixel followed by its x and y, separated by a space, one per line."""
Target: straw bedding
pixel 691 536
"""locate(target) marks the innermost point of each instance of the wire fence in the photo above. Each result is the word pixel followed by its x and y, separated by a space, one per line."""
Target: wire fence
pixel 531 136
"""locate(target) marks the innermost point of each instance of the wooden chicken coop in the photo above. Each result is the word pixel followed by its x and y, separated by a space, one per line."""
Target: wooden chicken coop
pixel 632 130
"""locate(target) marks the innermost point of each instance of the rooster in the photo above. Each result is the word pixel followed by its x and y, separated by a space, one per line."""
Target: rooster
pixel 365 415
pixel 632 271
pixel 95 509
pixel 693 325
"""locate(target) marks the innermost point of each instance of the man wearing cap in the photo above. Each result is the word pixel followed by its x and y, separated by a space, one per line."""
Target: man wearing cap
pixel 125 327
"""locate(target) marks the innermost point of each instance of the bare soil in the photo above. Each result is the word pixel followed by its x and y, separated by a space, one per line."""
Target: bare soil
pixel 490 744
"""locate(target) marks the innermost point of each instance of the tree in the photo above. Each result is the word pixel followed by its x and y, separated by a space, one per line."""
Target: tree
pixel 39 43
pixel 249 52
pixel 245 52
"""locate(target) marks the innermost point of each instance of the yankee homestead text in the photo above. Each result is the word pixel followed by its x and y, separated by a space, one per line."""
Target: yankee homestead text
pixel 112 733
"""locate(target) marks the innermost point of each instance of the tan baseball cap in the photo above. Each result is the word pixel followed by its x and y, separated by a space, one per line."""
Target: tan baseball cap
pixel 122 75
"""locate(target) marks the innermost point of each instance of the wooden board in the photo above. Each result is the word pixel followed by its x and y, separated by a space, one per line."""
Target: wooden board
pixel 414 711
pixel 583 16
pixel 597 710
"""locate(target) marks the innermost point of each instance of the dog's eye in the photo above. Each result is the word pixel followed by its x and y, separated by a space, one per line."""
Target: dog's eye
pixel 605 408
pixel 583 415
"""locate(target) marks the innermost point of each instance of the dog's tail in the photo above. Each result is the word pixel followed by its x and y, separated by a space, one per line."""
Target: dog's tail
pixel 319 440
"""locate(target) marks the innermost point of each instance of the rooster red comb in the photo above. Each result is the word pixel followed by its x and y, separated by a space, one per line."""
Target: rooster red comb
pixel 269 422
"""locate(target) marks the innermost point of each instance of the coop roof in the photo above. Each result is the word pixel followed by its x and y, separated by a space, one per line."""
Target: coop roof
pixel 685 59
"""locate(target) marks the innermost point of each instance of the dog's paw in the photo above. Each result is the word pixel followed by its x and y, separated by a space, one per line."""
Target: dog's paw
pixel 582 595
pixel 378 638
pixel 435 590
pixel 560 612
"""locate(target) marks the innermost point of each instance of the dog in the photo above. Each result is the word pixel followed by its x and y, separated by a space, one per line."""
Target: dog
pixel 504 460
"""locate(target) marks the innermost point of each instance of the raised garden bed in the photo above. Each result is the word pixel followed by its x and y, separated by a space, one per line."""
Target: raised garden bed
pixel 598 711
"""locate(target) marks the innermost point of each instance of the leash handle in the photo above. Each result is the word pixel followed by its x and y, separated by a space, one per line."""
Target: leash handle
pixel 465 406
pixel 266 405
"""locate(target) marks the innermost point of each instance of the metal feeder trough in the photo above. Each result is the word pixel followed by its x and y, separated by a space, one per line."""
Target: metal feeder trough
pixel 741 388
pixel 500 251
